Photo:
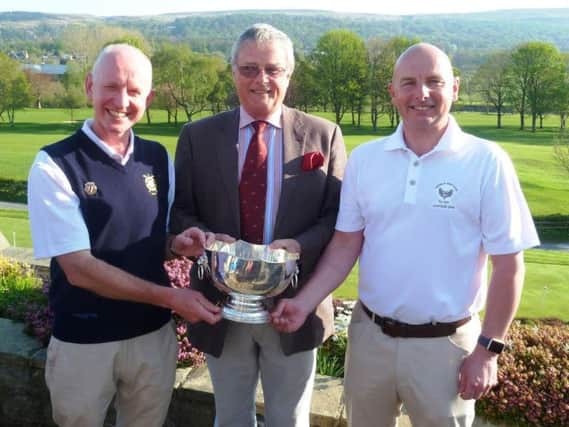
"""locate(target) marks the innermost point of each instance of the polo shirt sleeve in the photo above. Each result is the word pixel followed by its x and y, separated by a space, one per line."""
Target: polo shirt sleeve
pixel 56 221
pixel 506 221
pixel 350 216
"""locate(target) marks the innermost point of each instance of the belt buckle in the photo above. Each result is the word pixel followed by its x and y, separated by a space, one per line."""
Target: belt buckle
pixel 389 326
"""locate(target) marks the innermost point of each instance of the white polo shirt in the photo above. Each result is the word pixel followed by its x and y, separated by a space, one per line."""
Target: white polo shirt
pixel 430 221
pixel 56 221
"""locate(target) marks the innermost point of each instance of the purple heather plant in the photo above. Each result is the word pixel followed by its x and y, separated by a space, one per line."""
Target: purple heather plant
pixel 178 272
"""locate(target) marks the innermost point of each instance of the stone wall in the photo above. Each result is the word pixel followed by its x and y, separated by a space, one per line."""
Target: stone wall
pixel 24 399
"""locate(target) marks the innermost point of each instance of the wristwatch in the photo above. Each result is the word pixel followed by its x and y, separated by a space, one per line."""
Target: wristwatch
pixel 491 344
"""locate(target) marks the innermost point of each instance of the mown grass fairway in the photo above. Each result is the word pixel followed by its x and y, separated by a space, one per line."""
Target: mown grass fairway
pixel 545 184
pixel 14 224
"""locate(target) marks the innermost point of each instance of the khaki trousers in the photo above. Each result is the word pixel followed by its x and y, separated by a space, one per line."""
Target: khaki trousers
pixel 139 373
pixel 382 373
pixel 252 350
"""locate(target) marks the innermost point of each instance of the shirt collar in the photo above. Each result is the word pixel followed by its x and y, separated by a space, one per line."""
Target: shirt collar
pixel 245 119
pixel 451 140
pixel 111 152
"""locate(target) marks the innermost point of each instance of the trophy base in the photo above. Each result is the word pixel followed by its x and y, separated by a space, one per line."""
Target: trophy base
pixel 246 309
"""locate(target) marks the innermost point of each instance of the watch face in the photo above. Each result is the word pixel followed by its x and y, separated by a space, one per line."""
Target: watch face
pixel 491 344
pixel 496 346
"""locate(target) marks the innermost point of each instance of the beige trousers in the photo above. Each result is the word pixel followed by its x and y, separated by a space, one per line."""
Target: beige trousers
pixel 382 373
pixel 139 373
pixel 250 351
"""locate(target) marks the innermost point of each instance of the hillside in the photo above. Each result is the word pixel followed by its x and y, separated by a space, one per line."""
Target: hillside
pixel 467 37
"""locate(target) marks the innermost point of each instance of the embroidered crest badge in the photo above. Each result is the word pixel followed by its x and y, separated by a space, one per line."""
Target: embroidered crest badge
pixel 445 195
pixel 90 188
pixel 150 183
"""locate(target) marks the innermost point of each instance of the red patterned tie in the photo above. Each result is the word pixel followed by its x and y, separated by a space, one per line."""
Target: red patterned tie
pixel 253 187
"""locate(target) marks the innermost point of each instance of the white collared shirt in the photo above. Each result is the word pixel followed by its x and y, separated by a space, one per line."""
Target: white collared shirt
pixel 430 222
pixel 56 221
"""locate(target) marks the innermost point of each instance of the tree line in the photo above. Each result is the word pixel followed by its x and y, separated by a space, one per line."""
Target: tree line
pixel 344 74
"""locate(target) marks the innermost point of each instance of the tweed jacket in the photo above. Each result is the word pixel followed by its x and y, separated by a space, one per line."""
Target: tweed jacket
pixel 207 196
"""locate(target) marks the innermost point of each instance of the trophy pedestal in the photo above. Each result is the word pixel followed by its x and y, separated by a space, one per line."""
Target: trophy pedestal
pixel 245 309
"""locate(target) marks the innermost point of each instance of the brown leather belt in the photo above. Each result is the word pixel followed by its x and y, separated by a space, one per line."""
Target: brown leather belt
pixel 397 329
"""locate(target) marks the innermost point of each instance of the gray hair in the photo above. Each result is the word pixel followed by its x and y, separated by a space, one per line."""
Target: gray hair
pixel 262 33
pixel 118 47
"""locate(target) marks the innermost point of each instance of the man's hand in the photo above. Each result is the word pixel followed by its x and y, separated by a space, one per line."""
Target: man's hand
pixel 288 315
pixel 191 242
pixel 290 245
pixel 222 238
pixel 194 307
pixel 478 374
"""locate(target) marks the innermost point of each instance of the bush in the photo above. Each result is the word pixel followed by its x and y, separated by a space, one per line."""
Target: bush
pixel 331 355
pixel 23 297
pixel 178 273
pixel 533 388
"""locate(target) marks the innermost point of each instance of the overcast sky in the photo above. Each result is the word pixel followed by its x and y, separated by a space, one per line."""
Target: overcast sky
pixel 152 7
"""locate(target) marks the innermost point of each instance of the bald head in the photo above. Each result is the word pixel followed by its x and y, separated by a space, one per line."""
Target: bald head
pixel 423 89
pixel 120 89
pixel 425 53
pixel 128 54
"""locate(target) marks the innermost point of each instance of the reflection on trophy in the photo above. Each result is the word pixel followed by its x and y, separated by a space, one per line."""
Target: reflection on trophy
pixel 250 274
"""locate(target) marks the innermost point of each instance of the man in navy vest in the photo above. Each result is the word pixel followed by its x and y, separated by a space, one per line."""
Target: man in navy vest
pixel 99 202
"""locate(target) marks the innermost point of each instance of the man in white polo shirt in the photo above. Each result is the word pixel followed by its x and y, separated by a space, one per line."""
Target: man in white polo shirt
pixel 423 209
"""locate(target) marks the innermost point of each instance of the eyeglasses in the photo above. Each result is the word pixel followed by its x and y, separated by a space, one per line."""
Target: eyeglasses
pixel 252 71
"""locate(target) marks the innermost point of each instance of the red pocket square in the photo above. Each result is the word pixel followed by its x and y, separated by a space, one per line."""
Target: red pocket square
pixel 312 160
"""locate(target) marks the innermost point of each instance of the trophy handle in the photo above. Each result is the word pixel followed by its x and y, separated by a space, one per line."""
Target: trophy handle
pixel 203 266
pixel 294 280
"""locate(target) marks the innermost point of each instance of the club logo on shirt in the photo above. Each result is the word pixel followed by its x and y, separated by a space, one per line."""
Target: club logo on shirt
pixel 150 183
pixel 90 188
pixel 445 192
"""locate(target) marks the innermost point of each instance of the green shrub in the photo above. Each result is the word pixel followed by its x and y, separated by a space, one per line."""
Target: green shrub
pixel 19 288
pixel 533 388
pixel 331 355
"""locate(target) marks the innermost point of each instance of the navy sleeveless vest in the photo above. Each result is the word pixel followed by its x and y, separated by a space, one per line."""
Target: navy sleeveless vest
pixel 125 209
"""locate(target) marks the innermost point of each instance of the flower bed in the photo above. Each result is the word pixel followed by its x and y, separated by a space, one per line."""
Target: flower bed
pixel 533 388
pixel 23 297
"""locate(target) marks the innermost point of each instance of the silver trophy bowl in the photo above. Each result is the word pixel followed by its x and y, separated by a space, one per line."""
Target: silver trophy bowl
pixel 250 274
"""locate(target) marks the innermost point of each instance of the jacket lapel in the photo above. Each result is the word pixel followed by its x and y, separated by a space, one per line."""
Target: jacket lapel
pixel 293 147
pixel 225 141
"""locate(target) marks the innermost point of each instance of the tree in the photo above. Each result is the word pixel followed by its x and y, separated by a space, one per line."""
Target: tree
pixel 492 81
pixel 537 69
pixel 223 92
pixel 303 92
pixel 42 87
pixel 340 63
pixel 14 88
pixel 86 40
pixel 561 149
pixel 188 77
pixel 381 60
pixel 73 95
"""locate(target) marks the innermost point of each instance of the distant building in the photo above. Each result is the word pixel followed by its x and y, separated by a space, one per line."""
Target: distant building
pixel 54 70
pixel 19 55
